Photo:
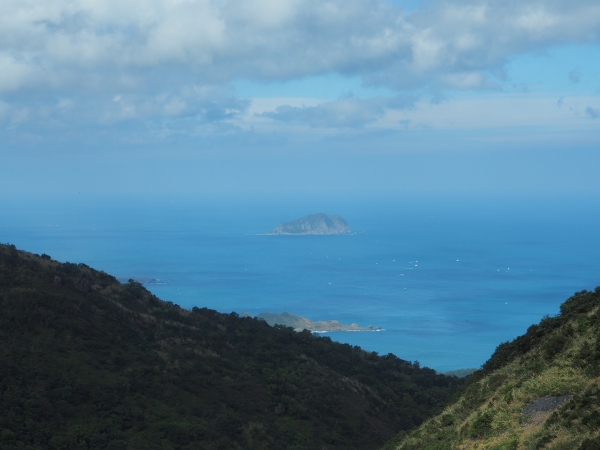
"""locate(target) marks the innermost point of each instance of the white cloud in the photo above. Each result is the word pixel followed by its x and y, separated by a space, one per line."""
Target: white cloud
pixel 468 80
pixel 517 111
pixel 63 41
pixel 498 111
pixel 14 74
pixel 191 106
pixel 168 60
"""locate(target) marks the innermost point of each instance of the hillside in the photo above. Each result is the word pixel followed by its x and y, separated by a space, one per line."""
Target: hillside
pixel 540 391
pixel 314 224
pixel 89 363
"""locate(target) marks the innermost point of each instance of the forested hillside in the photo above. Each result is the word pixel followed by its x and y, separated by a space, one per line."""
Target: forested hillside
pixel 540 391
pixel 89 363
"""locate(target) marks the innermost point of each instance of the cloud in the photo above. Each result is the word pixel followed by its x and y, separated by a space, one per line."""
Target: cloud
pixel 593 113
pixel 343 113
pixel 184 109
pixel 15 74
pixel 173 61
pixel 212 106
pixel 447 43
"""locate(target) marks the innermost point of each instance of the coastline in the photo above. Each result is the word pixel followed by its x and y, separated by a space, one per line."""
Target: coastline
pixel 299 323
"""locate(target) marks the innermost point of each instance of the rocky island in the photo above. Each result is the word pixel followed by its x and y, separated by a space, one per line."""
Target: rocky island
pixel 301 323
pixel 314 224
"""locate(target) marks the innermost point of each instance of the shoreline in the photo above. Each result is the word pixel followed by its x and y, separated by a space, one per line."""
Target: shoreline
pixel 299 323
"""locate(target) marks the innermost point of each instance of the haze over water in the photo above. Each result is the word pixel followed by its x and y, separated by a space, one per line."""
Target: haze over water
pixel 447 279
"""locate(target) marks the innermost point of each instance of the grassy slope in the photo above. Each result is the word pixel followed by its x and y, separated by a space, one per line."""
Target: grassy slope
pixel 559 356
pixel 87 362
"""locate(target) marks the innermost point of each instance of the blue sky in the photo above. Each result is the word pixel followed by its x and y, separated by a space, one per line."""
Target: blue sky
pixel 212 97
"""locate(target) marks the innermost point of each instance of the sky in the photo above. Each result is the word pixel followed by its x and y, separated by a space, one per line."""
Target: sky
pixel 206 98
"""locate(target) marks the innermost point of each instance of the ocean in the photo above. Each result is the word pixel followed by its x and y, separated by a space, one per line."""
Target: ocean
pixel 447 279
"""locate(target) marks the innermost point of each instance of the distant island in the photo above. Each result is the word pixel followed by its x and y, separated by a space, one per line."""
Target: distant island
pixel 314 224
pixel 301 323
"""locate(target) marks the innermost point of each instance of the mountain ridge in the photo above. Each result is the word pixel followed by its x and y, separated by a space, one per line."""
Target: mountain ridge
pixel 87 362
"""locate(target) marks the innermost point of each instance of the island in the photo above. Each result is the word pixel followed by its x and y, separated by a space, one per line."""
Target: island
pixel 301 323
pixel 314 224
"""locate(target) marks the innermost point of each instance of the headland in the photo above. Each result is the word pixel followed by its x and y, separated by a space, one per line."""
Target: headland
pixel 299 323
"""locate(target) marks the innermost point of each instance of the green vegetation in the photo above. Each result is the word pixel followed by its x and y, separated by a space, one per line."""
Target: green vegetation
pixel 89 363
pixel 497 409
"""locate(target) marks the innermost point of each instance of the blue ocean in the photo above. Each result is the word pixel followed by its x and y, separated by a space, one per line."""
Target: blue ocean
pixel 446 279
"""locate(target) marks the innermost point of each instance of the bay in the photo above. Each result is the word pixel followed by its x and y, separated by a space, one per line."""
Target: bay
pixel 447 280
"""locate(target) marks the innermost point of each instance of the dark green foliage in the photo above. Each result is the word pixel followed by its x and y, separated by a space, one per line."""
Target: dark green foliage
pixel 511 444
pixel 443 443
pixel 581 412
pixel 589 357
pixel 590 444
pixel 446 420
pixel 579 304
pixel 544 438
pixel 89 363
pixel 439 446
pixel 482 425
pixel 554 345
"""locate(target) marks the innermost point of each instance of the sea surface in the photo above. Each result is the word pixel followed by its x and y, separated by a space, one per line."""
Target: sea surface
pixel 447 279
